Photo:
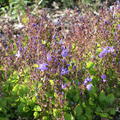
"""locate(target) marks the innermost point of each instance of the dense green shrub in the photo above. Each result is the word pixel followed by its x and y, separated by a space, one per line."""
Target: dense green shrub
pixel 51 71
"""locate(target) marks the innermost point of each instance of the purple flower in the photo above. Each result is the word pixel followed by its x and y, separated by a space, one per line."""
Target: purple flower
pixel 103 76
pixel 106 22
pixel 103 53
pixel 106 51
pixel 64 52
pixel 74 67
pixel 87 80
pixel 118 26
pixel 68 65
pixel 49 57
pixel 64 71
pixel 54 36
pixel 110 49
pixel 64 86
pixel 61 42
pixel 89 86
pixel 43 67
pixel 62 47
pixel 104 80
pixel 34 24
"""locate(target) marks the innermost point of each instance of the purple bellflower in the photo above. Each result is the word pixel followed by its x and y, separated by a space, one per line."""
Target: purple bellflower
pixel 103 77
pixel 64 52
pixel 89 86
pixel 64 86
pixel 61 42
pixel 110 49
pixel 106 51
pixel 87 80
pixel 43 67
pixel 64 71
pixel 49 57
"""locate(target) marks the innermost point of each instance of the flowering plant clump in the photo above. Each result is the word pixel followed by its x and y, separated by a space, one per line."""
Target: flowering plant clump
pixel 55 72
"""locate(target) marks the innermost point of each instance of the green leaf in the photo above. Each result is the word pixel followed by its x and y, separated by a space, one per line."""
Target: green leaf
pixel 84 105
pixel 91 101
pixel 4 118
pixel 56 112
pixel 103 115
pixel 102 97
pixel 20 90
pixel 110 98
pixel 36 115
pixel 51 82
pixel 35 65
pixel 90 65
pixel 55 95
pixel 34 99
pixel 68 116
pixel 98 109
pixel 98 50
pixel 37 108
pixel 78 110
pixel 45 118
pixel 26 109
pixel 88 112
pixel 20 107
pixel 112 111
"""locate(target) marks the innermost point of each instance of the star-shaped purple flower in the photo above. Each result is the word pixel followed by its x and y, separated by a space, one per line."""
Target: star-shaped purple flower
pixel 43 66
pixel 64 71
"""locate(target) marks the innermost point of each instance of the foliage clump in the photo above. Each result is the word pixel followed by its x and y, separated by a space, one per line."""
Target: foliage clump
pixel 64 70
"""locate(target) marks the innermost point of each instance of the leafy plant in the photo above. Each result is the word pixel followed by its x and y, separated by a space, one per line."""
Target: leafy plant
pixel 48 73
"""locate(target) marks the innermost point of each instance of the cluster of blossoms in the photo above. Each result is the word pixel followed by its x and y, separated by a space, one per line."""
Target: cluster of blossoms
pixel 64 71
pixel 105 51
pixel 55 51
pixel 86 81
pixel 63 68
pixel 64 52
